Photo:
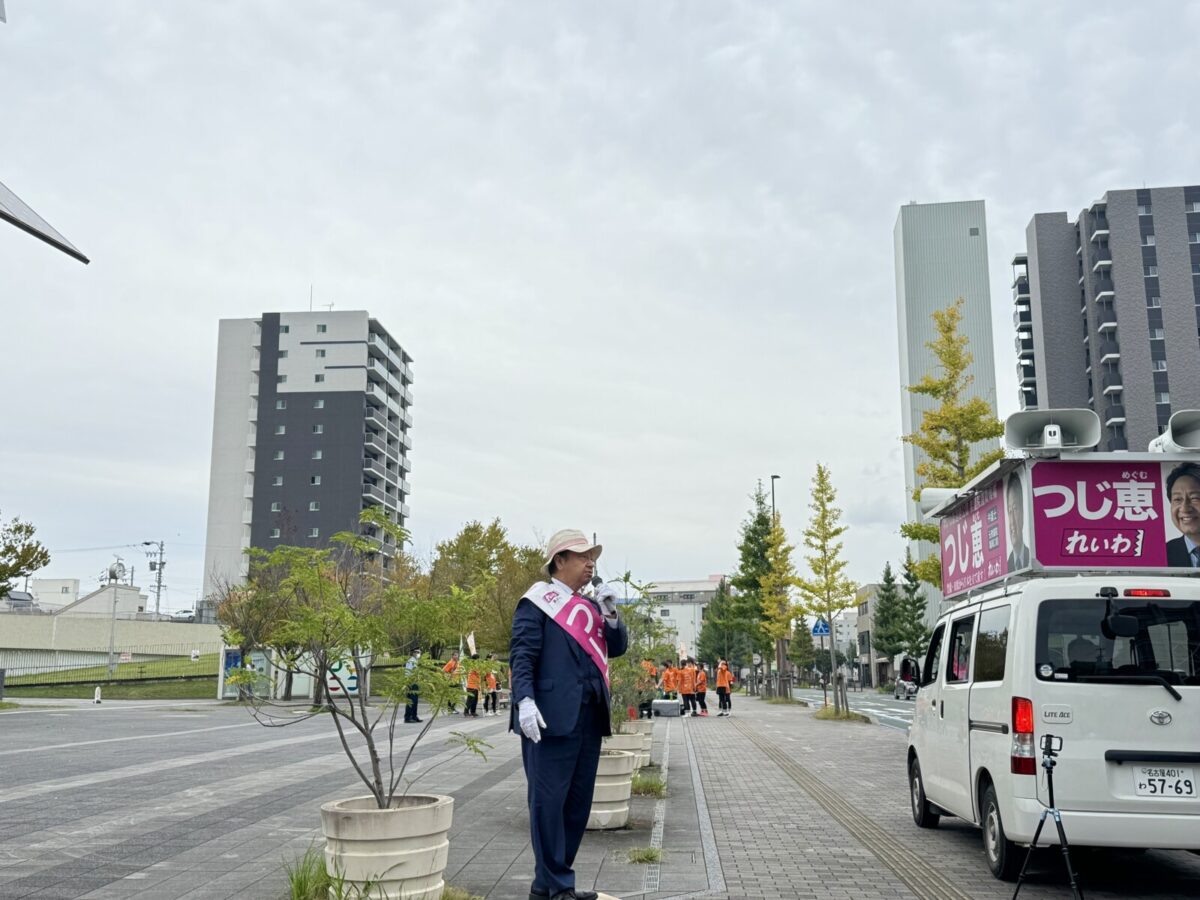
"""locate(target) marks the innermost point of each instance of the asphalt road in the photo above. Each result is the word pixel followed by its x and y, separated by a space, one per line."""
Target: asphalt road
pixel 885 708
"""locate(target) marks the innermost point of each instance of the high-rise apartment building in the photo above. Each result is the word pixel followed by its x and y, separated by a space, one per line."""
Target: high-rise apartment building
pixel 1108 311
pixel 311 425
pixel 941 255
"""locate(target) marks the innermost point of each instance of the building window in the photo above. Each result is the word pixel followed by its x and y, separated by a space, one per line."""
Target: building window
pixel 687 596
pixel 1194 237
pixel 318 454
pixel 277 481
pixel 280 379
pixel 275 532
pixel 284 329
pixel 1150 271
pixel 281 404
pixel 318 378
pixel 314 532
pixel 318 429
pixel 1157 334
pixel 283 354
pixel 315 480
pixel 1147 240
pixel 973 232
pixel 319 403
pixel 320 354
pixel 664 612
pixel 314 505
pixel 1196 268
pixel 1154 302
pixel 1162 397
pixel 1144 209
pixel 281 429
pixel 1158 365
pixel 1194 206
pixel 278 455
pixel 321 329
pixel 276 506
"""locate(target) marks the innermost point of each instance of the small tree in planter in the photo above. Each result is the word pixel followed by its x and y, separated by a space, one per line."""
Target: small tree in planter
pixel 334 614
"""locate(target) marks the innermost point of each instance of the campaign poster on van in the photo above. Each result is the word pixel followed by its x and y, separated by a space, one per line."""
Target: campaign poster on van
pixel 1136 514
pixel 973 541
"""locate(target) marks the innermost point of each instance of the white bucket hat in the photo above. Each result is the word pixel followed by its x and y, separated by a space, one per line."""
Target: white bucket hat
pixel 569 539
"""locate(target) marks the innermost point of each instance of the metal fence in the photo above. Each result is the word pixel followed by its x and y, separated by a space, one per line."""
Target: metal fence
pixel 98 665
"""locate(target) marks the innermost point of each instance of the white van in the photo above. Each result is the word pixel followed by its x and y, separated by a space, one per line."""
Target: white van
pixel 1109 664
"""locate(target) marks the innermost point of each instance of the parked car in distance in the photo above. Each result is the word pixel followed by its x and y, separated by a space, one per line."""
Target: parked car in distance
pixel 184 615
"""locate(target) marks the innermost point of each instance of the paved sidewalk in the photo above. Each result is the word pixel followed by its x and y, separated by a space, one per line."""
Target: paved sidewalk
pixel 196 802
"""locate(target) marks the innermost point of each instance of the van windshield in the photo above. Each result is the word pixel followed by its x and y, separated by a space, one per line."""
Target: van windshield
pixel 1094 638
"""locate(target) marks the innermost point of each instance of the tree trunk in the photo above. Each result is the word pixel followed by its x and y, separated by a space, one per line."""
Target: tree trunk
pixel 837 701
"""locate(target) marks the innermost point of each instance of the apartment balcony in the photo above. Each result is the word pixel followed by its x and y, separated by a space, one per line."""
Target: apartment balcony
pixel 375 467
pixel 1026 375
pixel 1021 286
pixel 1111 382
pixel 1106 320
pixel 376 442
pixel 248 488
pixel 1108 350
pixel 404 488
pixel 1022 315
pixel 1099 233
pixel 1024 346
pixel 406 441
pixel 404 511
pixel 247 514
pixel 406 418
pixel 1118 443
pixel 1102 262
pixel 1114 414
pixel 374 492
pixel 405 465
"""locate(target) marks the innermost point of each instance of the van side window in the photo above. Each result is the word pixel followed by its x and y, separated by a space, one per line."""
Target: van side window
pixel 933 657
pixel 958 666
pixel 992 644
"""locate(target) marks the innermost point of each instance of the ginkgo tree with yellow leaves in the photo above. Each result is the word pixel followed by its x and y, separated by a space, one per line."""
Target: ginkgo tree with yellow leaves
pixel 829 591
pixel 775 588
pixel 949 434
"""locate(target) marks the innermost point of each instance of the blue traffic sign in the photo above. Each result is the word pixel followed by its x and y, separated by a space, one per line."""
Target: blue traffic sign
pixel 821 629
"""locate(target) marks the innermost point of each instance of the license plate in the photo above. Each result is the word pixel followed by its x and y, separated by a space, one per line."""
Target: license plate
pixel 1164 781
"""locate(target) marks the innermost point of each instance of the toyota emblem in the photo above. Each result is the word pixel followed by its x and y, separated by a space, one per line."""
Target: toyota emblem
pixel 1160 717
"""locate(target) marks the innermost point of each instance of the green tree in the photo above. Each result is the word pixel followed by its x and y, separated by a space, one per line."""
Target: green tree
pixel 629 684
pixel 20 553
pixel 775 588
pixel 722 635
pixel 801 650
pixel 948 433
pixel 829 591
pixel 887 635
pixel 747 604
pixel 914 633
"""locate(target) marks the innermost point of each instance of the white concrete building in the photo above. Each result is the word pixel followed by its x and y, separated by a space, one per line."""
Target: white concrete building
pixel 54 593
pixel 681 604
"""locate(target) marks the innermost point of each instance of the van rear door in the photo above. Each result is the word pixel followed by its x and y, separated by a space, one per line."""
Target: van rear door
pixel 1118 679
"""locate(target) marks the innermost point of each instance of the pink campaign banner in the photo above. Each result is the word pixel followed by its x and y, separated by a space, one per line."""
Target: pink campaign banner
pixel 1102 514
pixel 973 551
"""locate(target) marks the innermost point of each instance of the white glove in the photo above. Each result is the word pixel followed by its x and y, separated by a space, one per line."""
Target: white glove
pixel 531 720
pixel 606 597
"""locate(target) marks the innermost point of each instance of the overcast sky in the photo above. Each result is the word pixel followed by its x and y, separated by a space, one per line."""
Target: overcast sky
pixel 640 252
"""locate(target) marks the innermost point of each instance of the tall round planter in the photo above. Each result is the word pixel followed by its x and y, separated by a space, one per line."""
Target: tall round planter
pixel 398 852
pixel 630 743
pixel 610 797
pixel 645 728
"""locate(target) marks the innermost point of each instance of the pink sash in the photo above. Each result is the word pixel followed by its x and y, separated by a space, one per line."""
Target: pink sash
pixel 577 617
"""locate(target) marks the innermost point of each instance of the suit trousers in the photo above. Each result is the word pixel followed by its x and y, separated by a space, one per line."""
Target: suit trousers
pixel 561 772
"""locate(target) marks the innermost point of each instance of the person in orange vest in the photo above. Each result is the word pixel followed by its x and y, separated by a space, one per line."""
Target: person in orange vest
pixel 473 681
pixel 702 689
pixel 489 681
pixel 668 681
pixel 451 668
pixel 649 683
pixel 725 681
pixel 687 686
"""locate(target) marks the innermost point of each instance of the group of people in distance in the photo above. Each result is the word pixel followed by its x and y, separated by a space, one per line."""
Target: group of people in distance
pixel 688 681
pixel 478 680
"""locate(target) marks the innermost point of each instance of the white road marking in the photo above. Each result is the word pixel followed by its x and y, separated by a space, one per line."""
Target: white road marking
pixel 131 737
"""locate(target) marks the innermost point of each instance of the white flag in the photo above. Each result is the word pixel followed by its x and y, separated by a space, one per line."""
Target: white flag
pixel 471 643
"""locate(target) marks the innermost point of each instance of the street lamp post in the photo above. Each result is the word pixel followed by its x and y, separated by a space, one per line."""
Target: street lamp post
pixel 779 656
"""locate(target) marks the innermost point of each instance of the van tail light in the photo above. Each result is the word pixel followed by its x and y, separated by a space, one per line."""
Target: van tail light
pixel 1146 592
pixel 1022 759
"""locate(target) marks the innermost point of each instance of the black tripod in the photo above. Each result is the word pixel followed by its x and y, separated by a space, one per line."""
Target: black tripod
pixel 1051 746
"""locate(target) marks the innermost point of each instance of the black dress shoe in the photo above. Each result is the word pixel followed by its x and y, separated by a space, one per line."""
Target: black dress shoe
pixel 575 895
pixel 535 894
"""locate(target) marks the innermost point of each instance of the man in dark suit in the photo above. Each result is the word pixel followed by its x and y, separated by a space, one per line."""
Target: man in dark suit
pixel 1183 493
pixel 559 653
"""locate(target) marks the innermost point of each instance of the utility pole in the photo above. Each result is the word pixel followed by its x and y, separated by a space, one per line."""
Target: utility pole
pixel 156 566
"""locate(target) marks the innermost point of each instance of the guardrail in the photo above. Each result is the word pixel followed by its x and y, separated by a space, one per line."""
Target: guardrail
pixel 25 668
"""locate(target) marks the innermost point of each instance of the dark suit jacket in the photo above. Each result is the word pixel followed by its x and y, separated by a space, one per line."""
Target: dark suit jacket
pixel 549 666
pixel 1177 554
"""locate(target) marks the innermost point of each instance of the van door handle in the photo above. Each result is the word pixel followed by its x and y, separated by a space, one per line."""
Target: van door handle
pixel 942 709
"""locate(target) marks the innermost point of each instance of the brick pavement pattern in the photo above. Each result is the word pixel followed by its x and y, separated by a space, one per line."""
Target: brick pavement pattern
pixel 162 802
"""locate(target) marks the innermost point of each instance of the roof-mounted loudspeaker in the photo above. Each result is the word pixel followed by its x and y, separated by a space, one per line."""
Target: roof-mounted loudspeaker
pixel 1182 434
pixel 1049 432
